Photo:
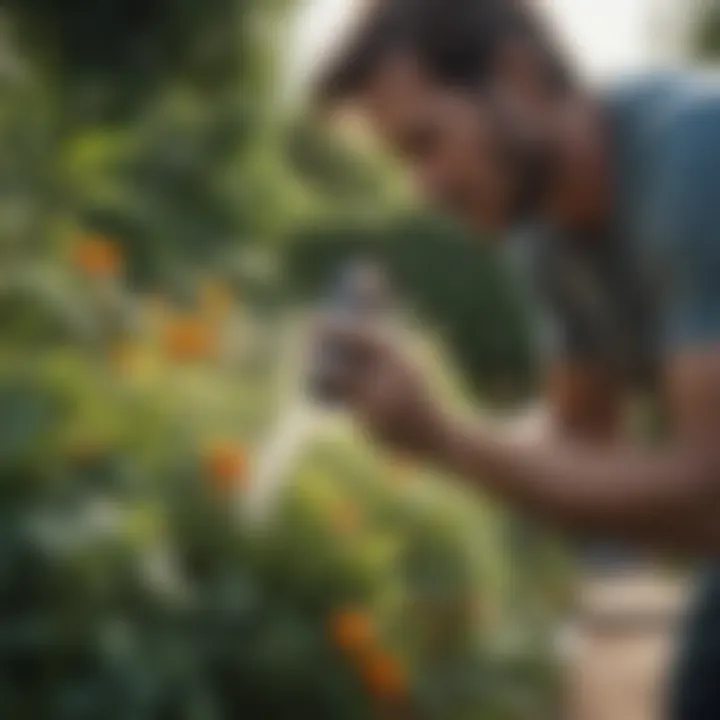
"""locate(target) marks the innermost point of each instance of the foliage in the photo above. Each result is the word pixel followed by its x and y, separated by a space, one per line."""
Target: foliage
pixel 131 588
pixel 707 35
pixel 146 189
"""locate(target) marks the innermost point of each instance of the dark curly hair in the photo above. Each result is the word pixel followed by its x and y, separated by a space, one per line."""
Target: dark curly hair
pixel 456 40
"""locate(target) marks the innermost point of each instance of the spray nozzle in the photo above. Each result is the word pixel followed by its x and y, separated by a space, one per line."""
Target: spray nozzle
pixel 359 292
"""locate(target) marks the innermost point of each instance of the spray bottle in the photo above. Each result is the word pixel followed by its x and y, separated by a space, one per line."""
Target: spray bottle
pixel 359 292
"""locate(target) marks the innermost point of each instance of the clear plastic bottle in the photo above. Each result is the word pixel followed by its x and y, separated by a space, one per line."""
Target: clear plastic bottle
pixel 359 293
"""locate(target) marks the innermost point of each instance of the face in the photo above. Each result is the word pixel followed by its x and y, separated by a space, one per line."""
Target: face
pixel 450 140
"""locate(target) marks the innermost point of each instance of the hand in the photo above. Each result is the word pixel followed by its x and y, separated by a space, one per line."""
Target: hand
pixel 384 391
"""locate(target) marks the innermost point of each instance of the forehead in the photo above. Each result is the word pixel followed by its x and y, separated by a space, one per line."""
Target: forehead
pixel 399 72
pixel 402 96
pixel 401 89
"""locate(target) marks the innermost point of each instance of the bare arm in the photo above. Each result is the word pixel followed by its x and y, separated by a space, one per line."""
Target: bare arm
pixel 584 481
pixel 669 497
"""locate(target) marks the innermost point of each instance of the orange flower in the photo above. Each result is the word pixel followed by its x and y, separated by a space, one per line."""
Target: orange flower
pixel 384 675
pixel 99 256
pixel 352 630
pixel 226 466
pixel 188 339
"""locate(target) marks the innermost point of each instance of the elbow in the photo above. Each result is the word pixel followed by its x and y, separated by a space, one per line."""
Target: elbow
pixel 703 498
pixel 703 478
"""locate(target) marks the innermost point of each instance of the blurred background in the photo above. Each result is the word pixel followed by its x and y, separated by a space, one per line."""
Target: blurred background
pixel 168 214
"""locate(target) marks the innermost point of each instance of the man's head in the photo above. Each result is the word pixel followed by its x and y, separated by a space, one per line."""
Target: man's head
pixel 463 91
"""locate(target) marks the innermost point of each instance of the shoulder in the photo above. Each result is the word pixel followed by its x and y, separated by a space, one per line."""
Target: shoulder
pixel 684 202
pixel 668 112
pixel 693 120
pixel 688 125
pixel 684 165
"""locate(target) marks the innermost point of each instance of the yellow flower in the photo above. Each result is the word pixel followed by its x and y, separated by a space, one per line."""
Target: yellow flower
pixel 99 256
pixel 133 360
pixel 215 299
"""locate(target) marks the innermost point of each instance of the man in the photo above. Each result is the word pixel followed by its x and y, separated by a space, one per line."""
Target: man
pixel 618 199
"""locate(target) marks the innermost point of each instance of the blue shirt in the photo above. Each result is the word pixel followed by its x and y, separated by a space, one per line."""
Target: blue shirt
pixel 647 287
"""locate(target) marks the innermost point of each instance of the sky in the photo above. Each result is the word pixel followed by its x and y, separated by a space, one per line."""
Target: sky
pixel 607 37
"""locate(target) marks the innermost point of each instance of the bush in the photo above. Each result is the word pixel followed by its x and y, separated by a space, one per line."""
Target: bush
pixel 129 588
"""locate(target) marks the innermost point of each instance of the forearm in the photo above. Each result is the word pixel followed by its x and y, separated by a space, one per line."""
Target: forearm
pixel 657 497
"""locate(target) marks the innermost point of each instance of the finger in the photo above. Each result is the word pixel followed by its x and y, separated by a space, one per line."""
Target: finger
pixel 340 381
pixel 343 358
pixel 357 338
